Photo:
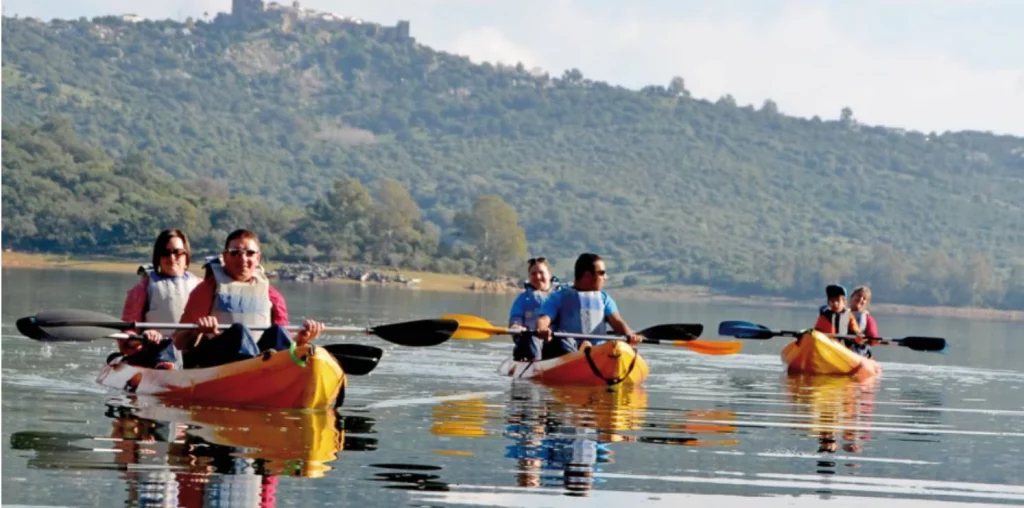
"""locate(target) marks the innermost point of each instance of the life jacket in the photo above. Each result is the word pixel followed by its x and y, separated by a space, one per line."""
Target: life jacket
pixel 840 320
pixel 581 312
pixel 858 322
pixel 247 303
pixel 166 296
pixel 532 301
pixel 853 323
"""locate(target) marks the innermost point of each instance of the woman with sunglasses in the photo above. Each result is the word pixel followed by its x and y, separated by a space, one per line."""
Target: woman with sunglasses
pixel 159 297
pixel 236 291
pixel 526 309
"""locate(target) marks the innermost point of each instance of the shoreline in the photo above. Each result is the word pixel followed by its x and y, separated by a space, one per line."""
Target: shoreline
pixel 457 283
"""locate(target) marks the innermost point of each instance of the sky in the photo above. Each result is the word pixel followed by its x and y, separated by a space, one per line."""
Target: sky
pixel 927 65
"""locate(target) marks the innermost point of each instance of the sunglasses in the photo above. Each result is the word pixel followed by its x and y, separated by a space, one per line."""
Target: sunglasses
pixel 174 252
pixel 249 253
pixel 533 261
pixel 601 273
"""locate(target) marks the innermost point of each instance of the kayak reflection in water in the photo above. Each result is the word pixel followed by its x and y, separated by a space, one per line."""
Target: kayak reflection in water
pixel 840 411
pixel 551 439
pixel 526 309
pixel 583 308
pixel 235 290
pixel 217 458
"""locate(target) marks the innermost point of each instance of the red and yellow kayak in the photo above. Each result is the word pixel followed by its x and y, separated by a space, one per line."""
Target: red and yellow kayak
pixel 306 378
pixel 609 363
pixel 816 353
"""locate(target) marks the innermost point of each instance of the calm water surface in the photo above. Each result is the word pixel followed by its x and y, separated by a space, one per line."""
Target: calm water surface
pixel 437 426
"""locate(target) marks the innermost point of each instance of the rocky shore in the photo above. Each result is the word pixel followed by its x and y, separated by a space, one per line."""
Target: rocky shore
pixel 311 272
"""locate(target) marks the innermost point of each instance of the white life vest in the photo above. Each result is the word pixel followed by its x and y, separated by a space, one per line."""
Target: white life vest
pixel 247 303
pixel 166 297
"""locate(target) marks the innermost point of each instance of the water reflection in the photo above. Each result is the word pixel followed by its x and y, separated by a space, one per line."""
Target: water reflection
pixel 839 409
pixel 201 457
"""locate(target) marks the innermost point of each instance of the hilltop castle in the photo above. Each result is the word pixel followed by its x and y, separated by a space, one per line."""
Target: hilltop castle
pixel 244 11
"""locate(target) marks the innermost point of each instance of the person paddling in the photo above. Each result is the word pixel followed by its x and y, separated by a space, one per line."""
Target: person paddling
pixel 862 322
pixel 159 297
pixel 836 318
pixel 526 309
pixel 583 308
pixel 236 290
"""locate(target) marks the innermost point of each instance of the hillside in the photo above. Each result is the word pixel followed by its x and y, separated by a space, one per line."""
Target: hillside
pixel 670 188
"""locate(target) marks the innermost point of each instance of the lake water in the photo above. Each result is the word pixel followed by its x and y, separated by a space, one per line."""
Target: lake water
pixel 438 426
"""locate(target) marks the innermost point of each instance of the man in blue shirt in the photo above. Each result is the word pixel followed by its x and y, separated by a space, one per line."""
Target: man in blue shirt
pixel 584 308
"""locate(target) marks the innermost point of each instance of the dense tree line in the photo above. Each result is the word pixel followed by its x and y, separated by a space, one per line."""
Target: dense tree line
pixel 669 187
pixel 62 195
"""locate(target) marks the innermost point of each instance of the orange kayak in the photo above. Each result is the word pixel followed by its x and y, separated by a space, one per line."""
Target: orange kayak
pixel 609 363
pixel 816 353
pixel 308 377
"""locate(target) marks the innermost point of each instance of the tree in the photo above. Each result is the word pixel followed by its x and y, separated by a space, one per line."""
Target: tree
pixel 677 87
pixel 846 116
pixel 493 227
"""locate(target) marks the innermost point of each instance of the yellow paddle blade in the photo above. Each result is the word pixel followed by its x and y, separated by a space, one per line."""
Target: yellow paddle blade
pixel 473 327
pixel 707 347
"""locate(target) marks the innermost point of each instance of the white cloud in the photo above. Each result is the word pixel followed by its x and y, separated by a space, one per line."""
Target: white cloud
pixel 488 44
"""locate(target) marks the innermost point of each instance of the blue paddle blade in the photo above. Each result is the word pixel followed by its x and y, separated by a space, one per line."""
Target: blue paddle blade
pixel 744 330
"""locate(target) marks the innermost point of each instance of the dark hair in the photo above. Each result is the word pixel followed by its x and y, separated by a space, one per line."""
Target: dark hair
pixel 834 291
pixel 160 246
pixel 241 234
pixel 536 261
pixel 585 263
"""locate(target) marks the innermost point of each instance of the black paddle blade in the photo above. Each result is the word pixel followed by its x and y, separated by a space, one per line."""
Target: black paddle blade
pixel 934 344
pixel 29 327
pixel 69 325
pixel 681 331
pixel 420 333
pixel 355 359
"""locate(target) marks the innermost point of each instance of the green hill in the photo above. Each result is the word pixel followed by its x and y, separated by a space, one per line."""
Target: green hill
pixel 669 187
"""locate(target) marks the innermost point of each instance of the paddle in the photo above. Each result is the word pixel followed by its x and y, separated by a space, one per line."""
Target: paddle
pixel 681 335
pixel 76 325
pixel 747 330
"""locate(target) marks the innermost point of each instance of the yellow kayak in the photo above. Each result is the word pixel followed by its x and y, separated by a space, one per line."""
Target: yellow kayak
pixel 610 363
pixel 816 353
pixel 306 378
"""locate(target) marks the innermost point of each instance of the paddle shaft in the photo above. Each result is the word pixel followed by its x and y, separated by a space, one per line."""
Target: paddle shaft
pixel 186 326
pixel 873 340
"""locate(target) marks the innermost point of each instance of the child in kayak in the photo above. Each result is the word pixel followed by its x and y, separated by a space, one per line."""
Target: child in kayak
pixel 864 322
pixel 526 309
pixel 836 318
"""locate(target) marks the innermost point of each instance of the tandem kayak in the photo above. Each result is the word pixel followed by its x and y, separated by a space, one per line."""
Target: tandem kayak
pixel 307 377
pixel 816 353
pixel 609 363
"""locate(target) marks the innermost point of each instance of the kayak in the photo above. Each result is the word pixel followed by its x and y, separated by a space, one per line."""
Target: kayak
pixel 816 353
pixel 307 377
pixel 609 363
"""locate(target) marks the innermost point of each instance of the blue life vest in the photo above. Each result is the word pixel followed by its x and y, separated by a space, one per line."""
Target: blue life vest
pixel 581 312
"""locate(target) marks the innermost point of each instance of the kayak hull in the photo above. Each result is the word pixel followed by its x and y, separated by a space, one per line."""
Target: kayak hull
pixel 609 363
pixel 309 379
pixel 816 353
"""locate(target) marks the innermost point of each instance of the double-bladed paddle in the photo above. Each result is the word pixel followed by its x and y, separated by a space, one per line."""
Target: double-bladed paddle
pixel 355 359
pixel 748 330
pixel 77 325
pixel 681 335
